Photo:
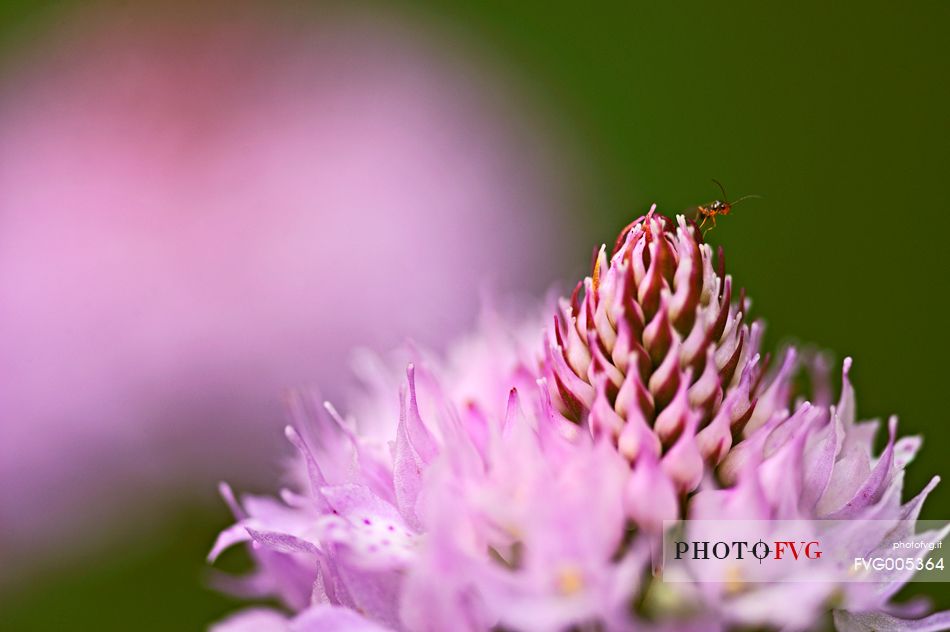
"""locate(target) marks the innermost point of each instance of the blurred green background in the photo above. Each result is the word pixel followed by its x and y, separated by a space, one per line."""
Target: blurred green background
pixel 837 114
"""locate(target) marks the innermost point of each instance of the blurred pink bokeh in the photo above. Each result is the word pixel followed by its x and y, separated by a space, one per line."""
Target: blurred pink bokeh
pixel 192 219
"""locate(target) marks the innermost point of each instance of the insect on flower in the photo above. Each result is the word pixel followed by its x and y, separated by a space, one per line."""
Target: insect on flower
pixel 717 207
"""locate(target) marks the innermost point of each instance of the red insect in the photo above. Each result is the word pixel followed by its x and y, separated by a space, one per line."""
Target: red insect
pixel 717 207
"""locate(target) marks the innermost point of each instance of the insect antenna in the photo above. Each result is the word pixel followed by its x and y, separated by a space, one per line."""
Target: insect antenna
pixel 721 188
pixel 745 197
